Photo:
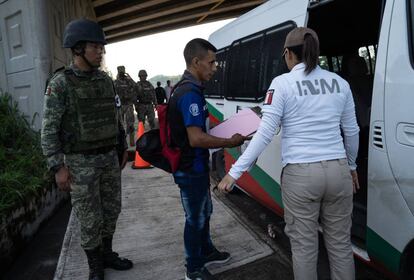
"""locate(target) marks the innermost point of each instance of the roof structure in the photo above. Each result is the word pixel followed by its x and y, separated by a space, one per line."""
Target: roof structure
pixel 126 19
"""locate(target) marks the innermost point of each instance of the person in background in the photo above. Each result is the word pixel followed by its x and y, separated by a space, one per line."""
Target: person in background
pixel 160 93
pixel 319 174
pixel 79 136
pixel 126 89
pixel 187 116
pixel 168 88
pixel 146 100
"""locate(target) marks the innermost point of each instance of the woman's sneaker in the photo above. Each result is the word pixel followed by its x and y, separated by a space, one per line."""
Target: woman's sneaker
pixel 201 274
pixel 217 257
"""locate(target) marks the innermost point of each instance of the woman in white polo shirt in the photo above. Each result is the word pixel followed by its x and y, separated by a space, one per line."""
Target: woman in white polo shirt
pixel 319 175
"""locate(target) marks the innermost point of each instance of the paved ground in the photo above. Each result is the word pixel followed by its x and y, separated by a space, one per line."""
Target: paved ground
pixel 278 265
pixel 149 232
pixel 40 259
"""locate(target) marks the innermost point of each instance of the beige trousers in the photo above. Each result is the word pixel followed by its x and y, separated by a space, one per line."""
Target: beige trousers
pixel 313 191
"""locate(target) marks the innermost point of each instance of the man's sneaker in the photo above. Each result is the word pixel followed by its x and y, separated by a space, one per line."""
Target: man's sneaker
pixel 217 257
pixel 201 274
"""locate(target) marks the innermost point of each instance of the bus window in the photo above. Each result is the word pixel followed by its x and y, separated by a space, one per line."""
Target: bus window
pixel 336 64
pixel 244 68
pixel 273 62
pixel 331 63
pixel 254 61
pixel 323 62
pixel 368 53
pixel 215 87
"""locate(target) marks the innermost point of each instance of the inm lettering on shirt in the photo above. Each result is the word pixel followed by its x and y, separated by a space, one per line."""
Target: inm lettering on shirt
pixel 316 87
pixel 331 89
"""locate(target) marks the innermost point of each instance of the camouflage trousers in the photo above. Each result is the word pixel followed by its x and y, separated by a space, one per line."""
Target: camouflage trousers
pixel 128 118
pixel 95 195
pixel 146 110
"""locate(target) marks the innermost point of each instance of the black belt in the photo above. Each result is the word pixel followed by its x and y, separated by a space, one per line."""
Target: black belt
pixel 98 151
pixel 144 103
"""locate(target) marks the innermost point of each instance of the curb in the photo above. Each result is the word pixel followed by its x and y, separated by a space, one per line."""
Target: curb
pixel 65 246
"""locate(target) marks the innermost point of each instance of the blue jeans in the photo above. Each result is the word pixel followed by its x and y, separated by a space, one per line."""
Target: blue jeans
pixel 196 200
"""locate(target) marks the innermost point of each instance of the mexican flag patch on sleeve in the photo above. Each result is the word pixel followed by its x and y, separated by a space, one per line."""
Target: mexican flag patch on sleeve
pixel 269 97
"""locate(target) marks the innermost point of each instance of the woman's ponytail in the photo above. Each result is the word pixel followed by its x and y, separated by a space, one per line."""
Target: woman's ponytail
pixel 310 53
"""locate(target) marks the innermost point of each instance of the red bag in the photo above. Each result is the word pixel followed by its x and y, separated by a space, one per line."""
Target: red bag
pixel 154 146
pixel 173 155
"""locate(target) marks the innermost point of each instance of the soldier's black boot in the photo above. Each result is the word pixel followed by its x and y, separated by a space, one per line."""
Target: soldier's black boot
pixel 111 258
pixel 95 261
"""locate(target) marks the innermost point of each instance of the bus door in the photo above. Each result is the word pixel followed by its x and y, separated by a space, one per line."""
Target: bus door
pixel 391 150
pixel 399 99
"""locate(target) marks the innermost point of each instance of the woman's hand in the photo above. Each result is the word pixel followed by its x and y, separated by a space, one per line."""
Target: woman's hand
pixel 226 184
pixel 355 182
pixel 63 179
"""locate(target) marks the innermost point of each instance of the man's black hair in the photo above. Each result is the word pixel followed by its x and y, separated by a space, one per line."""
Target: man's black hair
pixel 197 48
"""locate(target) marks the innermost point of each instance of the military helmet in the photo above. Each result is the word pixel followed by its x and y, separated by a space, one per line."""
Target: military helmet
pixel 82 30
pixel 142 72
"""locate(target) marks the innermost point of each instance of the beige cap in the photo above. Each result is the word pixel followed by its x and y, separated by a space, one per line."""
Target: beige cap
pixel 296 37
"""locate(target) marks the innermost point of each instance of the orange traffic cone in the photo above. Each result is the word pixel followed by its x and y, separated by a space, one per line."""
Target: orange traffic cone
pixel 140 130
pixel 139 163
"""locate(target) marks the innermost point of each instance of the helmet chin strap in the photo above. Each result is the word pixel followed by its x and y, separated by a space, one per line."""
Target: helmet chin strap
pixel 87 61
pixel 81 53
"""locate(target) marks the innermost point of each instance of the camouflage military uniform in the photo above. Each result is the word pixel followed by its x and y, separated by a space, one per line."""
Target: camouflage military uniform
pixel 146 102
pixel 126 89
pixel 80 129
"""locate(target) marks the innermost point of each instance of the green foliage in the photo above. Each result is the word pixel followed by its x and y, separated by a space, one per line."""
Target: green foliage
pixel 323 62
pixel 368 53
pixel 23 171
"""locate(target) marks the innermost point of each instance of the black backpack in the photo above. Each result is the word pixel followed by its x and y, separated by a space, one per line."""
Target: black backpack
pixel 154 146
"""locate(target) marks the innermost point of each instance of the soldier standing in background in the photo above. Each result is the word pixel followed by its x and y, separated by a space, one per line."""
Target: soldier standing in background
pixel 146 99
pixel 126 89
pixel 80 134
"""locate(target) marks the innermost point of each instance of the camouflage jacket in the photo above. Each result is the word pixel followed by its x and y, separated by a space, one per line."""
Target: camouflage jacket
pixel 72 115
pixel 146 93
pixel 126 89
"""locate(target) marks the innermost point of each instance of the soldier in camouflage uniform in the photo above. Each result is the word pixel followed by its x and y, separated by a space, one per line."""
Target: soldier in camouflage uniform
pixel 126 89
pixel 146 99
pixel 80 131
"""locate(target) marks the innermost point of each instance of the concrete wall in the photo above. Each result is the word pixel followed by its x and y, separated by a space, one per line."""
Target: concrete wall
pixel 31 34
pixel 17 228
pixel 3 80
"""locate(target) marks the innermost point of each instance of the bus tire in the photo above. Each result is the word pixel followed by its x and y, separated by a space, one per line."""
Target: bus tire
pixel 407 261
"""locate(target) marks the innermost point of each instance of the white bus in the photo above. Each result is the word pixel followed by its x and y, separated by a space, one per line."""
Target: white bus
pixel 370 44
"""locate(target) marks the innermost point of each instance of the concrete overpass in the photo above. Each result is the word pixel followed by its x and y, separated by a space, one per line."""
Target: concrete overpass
pixel 31 34
pixel 128 19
